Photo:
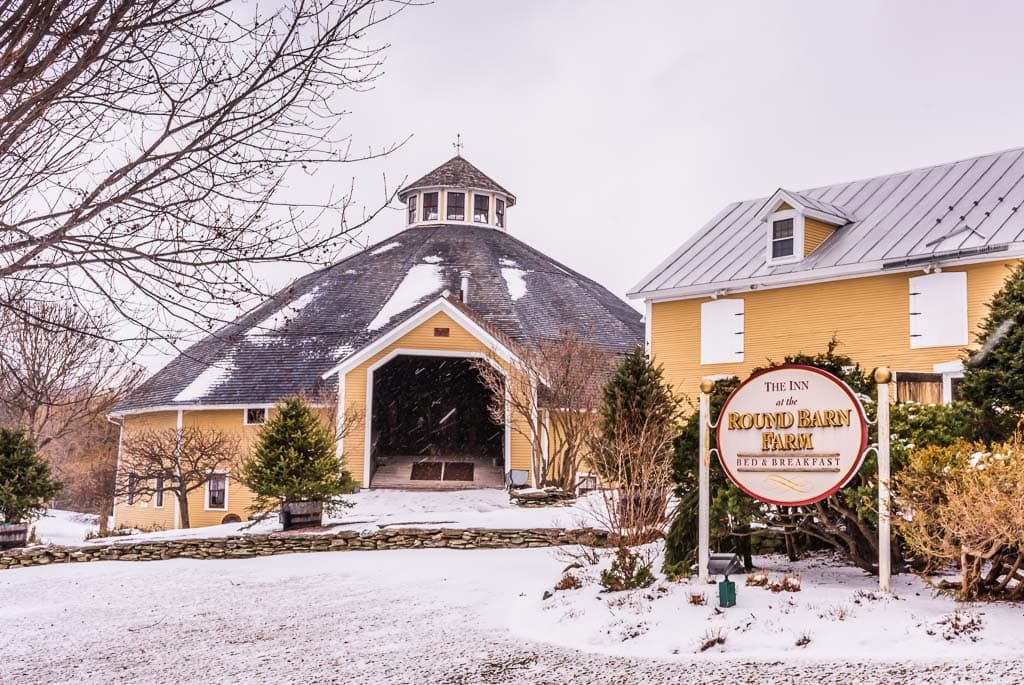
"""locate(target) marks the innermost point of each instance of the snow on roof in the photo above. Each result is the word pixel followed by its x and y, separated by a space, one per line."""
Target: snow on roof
pixel 386 248
pixel 211 376
pixel 286 313
pixel 515 280
pixel 421 281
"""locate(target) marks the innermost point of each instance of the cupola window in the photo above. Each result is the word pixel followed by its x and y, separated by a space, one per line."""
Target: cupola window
pixel 783 242
pixel 430 211
pixel 412 209
pixel 482 209
pixel 456 207
pixel 499 212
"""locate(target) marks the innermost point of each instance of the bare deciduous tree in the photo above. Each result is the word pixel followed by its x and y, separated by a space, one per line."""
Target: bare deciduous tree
pixel 58 374
pixel 174 463
pixel 145 145
pixel 554 390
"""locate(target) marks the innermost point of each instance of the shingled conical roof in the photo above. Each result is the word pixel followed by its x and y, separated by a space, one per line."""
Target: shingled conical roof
pixel 286 344
pixel 457 172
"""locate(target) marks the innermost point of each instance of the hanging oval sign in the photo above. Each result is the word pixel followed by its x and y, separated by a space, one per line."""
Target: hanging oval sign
pixel 792 435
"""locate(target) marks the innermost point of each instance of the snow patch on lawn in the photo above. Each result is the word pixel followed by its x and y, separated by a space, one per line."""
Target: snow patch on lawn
pixel 211 377
pixel 433 259
pixel 838 614
pixel 515 281
pixel 420 282
pixel 375 509
pixel 60 527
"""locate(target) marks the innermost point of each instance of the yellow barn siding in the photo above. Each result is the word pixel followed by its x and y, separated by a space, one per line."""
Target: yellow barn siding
pixel 420 338
pixel 815 233
pixel 783 207
pixel 870 316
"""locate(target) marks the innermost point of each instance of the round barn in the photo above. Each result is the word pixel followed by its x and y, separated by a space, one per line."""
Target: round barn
pixel 388 343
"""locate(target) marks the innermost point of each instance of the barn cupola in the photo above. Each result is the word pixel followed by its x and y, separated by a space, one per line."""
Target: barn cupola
pixel 456 193
pixel 796 224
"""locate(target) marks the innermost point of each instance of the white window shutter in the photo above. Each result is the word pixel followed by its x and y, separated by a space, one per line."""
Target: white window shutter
pixel 938 310
pixel 721 331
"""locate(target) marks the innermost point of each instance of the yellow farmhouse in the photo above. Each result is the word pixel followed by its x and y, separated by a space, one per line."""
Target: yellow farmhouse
pixel 386 344
pixel 899 268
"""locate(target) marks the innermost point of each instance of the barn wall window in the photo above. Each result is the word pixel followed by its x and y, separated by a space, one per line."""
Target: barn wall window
pixel 133 481
pixel 217 491
pixel 255 416
pixel 456 207
pixel 721 331
pixel 938 310
pixel 158 496
pixel 430 211
pixel 783 239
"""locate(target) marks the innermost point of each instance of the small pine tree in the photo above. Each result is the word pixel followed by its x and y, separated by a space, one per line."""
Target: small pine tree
pixel 636 395
pixel 994 377
pixel 26 482
pixel 295 461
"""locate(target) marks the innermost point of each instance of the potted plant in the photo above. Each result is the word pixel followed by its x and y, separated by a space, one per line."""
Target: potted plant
pixel 26 484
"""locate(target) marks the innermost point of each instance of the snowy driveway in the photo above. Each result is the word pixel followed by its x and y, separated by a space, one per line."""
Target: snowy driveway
pixel 416 616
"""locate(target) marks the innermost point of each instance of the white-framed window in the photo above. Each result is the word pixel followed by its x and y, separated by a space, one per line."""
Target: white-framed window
pixel 430 210
pixel 721 331
pixel 455 207
pixel 254 416
pixel 412 208
pixel 499 212
pixel 938 310
pixel 217 492
pixel 158 494
pixel 785 237
pixel 481 209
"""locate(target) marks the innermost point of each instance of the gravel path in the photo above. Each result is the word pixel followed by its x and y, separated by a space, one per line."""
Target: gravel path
pixel 375 617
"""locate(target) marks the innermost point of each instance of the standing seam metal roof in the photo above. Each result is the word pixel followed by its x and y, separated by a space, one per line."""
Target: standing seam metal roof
pixel 932 212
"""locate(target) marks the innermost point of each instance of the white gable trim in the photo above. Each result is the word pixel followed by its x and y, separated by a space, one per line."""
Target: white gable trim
pixel 441 305
pixel 784 196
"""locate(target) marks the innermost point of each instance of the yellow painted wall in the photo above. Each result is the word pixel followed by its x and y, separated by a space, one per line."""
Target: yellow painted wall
pixel 145 515
pixel 815 233
pixel 420 338
pixel 870 316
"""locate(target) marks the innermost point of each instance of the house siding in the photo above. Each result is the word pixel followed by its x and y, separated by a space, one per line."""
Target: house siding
pixel 815 233
pixel 870 317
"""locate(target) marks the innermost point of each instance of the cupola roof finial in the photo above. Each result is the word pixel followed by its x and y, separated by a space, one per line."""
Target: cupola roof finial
pixel 457 145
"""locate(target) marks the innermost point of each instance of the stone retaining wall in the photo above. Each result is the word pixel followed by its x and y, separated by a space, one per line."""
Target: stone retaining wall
pixel 258 545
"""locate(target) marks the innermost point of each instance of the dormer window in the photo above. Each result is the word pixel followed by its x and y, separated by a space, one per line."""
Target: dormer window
pixel 430 211
pixel 482 209
pixel 412 209
pixel 783 240
pixel 499 212
pixel 456 203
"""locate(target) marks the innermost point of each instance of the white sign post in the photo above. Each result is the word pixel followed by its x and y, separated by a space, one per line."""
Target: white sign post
pixel 883 377
pixel 793 435
pixel 704 480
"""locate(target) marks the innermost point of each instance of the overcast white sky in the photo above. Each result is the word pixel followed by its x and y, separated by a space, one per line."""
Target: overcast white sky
pixel 623 127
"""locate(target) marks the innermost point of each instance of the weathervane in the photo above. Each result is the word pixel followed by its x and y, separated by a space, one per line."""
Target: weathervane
pixel 458 145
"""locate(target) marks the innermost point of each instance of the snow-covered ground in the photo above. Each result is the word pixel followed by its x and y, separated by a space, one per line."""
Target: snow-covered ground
pixel 476 616
pixel 374 509
pixel 59 527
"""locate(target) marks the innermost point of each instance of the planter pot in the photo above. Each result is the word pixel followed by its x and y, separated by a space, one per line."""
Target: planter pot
pixel 301 515
pixel 13 535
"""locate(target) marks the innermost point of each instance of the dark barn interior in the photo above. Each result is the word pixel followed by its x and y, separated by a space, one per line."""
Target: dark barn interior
pixel 434 409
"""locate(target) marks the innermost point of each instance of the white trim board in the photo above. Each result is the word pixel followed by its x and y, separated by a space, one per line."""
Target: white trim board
pixel 440 305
